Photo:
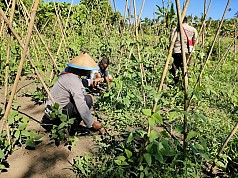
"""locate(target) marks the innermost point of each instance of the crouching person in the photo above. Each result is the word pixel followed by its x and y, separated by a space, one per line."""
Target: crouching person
pixel 102 73
pixel 68 92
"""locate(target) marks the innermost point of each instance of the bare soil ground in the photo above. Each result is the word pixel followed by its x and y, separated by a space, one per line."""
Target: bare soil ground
pixel 47 160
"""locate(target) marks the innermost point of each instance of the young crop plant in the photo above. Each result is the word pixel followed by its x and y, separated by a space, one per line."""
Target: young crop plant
pixel 19 136
pixel 60 126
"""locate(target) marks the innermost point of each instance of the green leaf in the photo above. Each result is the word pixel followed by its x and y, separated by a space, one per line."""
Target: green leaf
pixel 130 138
pixel 220 164
pixel 63 118
pixel 71 121
pixel 17 134
pixel 148 159
pixel 153 135
pixel 52 115
pixel 128 153
pixel 179 128
pixel 62 125
pixel 2 166
pixel 159 146
pixel 151 121
pixel 191 135
pixel 38 137
pixel 159 157
pixel 146 112
pixel 198 147
pixel 121 158
pixel 2 156
pixel 173 115
pixel 25 133
pixel 30 142
pixel 158 118
pixel 22 126
pixel 56 105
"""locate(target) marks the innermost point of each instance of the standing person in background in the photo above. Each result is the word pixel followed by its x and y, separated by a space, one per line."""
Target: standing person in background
pixel 190 36
pixel 102 72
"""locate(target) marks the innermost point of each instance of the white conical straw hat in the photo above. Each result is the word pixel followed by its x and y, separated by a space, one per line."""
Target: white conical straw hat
pixel 83 61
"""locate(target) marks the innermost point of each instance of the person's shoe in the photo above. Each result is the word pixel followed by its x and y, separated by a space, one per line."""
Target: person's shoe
pixel 79 130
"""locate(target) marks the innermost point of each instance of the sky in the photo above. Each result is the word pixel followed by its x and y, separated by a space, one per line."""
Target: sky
pixel 195 7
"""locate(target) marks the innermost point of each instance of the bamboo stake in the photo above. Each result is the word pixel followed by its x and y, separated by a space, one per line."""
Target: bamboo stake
pixel 169 56
pixel 201 29
pixel 7 67
pixel 129 15
pixel 139 56
pixel 223 57
pixel 2 20
pixel 114 3
pixel 185 76
pixel 203 32
pixel 53 32
pixel 28 55
pixel 8 55
pixel 122 42
pixel 235 43
pixel 62 32
pixel 124 19
pixel 141 9
pixel 227 139
pixel 5 116
pixel 210 51
pixel 41 39
pixel 66 24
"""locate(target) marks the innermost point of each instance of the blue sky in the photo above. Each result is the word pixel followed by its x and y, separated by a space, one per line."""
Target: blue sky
pixel 195 7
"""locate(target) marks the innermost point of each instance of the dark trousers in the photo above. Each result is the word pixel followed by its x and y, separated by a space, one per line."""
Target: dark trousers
pixel 177 64
pixel 70 110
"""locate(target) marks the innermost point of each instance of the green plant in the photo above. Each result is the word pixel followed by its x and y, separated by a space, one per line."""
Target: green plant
pixel 60 130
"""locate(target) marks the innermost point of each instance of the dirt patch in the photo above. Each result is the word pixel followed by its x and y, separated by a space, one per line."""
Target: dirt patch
pixel 47 160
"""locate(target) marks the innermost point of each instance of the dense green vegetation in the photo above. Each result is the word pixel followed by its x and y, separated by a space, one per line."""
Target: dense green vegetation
pixel 127 148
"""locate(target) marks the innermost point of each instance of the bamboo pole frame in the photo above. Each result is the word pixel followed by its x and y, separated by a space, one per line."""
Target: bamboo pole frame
pixel 41 39
pixel 185 74
pixel 234 130
pixel 138 52
pixel 210 52
pixel 169 57
pixel 61 30
pixel 28 55
pixel 8 55
pixel 24 54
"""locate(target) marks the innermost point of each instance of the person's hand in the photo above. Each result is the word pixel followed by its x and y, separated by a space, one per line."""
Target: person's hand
pixel 99 80
pixel 96 125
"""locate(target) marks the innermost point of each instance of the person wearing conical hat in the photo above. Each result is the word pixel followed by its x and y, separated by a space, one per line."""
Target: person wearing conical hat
pixel 68 92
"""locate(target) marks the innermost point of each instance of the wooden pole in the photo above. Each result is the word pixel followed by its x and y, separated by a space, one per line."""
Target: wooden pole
pixel 210 52
pixel 41 39
pixel 228 138
pixel 8 55
pixel 124 19
pixel 28 55
pixel 185 75
pixel 138 52
pixel 235 43
pixel 62 32
pixel 28 37
pixel 141 9
pixel 169 56
pixel 223 57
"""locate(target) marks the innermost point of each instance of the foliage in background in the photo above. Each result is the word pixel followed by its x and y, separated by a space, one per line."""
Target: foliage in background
pixel 94 27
